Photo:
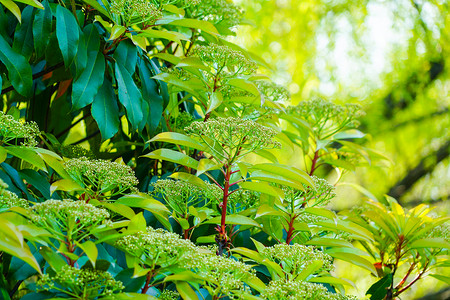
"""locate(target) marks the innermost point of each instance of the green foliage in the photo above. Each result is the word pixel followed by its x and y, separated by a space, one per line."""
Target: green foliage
pixel 157 136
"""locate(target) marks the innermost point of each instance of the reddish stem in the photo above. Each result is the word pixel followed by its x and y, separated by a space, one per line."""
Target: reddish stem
pixel 314 162
pixel 147 283
pixel 290 230
pixel 225 200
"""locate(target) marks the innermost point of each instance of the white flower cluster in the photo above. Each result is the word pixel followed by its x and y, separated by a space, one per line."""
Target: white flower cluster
pixel 66 211
pixel 101 175
pixel 299 290
pixel 225 60
pixel 12 129
pixel 157 247
pixel 320 194
pixel 85 283
pixel 8 199
pixel 224 275
pixel 295 258
pixel 327 118
pixel 233 134
pixel 179 195
pixel 142 11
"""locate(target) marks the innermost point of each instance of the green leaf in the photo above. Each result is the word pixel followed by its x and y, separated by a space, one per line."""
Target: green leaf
pixel 11 242
pixel 42 27
pixel 312 268
pixel 430 243
pixel 91 251
pixel 197 24
pixel 130 296
pixel 166 35
pixel 323 212
pixel 54 259
pixel 185 290
pixel 129 96
pixel 270 177
pixel 235 220
pixel 168 57
pixel 248 253
pixel 67 32
pixel 380 288
pixel 33 3
pixel 120 209
pixel 188 178
pixel 137 223
pixel 179 139
pixel 105 110
pixel 443 278
pixel 262 187
pixel 19 70
pixel 126 55
pixel 98 7
pixel 329 242
pixel 356 260
pixel 206 164
pixel 3 154
pixel 116 31
pixel 12 7
pixel 288 172
pixel 331 280
pixel 266 210
pixel 67 185
pixel 23 36
pixel 173 156
pixel 28 155
pixel 85 88
pixel 216 100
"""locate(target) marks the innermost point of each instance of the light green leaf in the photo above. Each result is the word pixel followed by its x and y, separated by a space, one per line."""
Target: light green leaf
pixel 331 280
pixel 262 187
pixel 443 278
pixel 173 156
pixel 323 212
pixel 189 178
pixel 116 32
pixel 216 100
pixel 329 242
pixel 53 259
pixel 185 290
pixel 28 155
pixel 33 3
pixel 312 268
pixel 159 34
pixel 287 172
pixel 248 253
pixel 430 243
pixel 356 260
pixel 205 164
pixel 67 185
pixel 235 220
pixel 91 251
pixel 12 7
pixel 197 24
pixel 179 139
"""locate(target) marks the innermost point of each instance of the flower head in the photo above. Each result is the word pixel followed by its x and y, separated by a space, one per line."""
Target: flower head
pixel 13 130
pixel 101 176
pixel 158 248
pixel 66 212
pixel 224 60
pixel 168 295
pixel 8 199
pixel 235 136
pixel 295 258
pixel 79 281
pixel 299 290
pixel 218 11
pixel 225 276
pixel 136 11
pixel 327 118
pixel 179 195
pixel 74 151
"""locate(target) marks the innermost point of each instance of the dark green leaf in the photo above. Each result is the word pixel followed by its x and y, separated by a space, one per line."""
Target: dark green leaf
pixel 19 71
pixel 126 55
pixel 23 36
pixel 380 288
pixel 129 96
pixel 42 26
pixel 67 32
pixel 105 110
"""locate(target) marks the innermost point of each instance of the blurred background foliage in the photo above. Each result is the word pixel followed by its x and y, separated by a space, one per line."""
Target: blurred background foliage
pixel 391 57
